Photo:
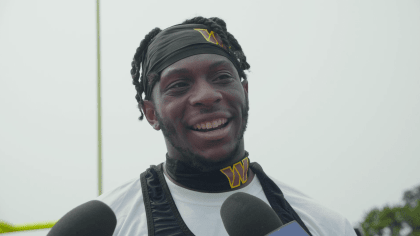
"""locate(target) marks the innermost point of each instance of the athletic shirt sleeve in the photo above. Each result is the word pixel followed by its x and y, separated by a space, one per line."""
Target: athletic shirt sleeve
pixel 126 201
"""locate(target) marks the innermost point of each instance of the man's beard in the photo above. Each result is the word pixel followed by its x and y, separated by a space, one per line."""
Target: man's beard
pixel 199 162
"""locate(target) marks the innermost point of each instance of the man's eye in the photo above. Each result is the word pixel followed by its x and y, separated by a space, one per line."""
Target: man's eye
pixel 183 84
pixel 224 77
pixel 179 85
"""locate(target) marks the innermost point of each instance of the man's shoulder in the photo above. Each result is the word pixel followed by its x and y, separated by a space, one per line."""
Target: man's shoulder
pixel 317 217
pixel 121 197
pixel 126 201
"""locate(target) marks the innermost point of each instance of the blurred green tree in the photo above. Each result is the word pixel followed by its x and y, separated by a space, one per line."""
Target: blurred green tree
pixel 394 218
pixel 411 196
pixel 411 215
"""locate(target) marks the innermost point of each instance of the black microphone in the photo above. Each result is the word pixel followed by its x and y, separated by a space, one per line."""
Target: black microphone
pixel 245 215
pixel 92 218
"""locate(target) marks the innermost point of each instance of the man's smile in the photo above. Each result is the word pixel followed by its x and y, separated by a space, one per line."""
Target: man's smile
pixel 219 132
pixel 209 126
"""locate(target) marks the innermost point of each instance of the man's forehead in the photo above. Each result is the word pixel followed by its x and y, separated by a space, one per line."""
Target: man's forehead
pixel 187 65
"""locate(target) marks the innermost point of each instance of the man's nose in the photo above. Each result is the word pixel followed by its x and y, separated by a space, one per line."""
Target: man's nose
pixel 205 94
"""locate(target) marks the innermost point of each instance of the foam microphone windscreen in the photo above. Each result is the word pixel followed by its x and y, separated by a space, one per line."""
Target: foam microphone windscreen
pixel 245 215
pixel 92 218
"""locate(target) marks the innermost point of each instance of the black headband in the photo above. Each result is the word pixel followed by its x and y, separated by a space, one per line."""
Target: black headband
pixel 178 42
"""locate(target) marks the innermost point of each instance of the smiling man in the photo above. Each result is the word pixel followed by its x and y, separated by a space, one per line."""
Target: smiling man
pixel 202 108
pixel 196 92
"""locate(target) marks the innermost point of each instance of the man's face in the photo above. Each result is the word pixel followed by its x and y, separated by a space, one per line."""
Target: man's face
pixel 197 90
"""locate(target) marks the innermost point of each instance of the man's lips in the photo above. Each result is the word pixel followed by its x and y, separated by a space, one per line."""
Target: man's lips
pixel 210 129
pixel 216 134
pixel 204 119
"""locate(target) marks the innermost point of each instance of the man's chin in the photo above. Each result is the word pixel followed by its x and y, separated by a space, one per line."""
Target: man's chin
pixel 211 159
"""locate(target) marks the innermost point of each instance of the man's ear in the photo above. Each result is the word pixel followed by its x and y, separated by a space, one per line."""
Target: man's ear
pixel 245 85
pixel 149 111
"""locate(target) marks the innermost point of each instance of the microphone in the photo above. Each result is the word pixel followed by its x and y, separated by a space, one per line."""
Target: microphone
pixel 245 215
pixel 92 218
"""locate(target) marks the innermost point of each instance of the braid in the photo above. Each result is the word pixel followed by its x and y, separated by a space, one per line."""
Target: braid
pixel 219 26
pixel 215 24
pixel 238 53
pixel 136 64
pixel 220 22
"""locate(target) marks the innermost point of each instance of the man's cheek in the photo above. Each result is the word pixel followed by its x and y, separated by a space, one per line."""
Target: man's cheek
pixel 179 126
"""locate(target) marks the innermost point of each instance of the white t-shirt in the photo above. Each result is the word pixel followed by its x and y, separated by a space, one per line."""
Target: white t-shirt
pixel 201 211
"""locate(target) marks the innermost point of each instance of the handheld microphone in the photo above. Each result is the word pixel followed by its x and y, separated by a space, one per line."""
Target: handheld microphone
pixel 245 215
pixel 92 218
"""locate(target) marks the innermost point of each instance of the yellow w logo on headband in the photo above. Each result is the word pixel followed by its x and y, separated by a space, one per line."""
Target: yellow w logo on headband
pixel 210 37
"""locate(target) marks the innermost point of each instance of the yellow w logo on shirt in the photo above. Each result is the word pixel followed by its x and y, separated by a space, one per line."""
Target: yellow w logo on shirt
pixel 238 174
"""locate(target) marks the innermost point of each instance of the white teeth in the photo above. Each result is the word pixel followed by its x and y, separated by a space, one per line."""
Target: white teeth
pixel 210 125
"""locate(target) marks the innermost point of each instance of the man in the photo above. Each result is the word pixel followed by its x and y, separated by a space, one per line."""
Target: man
pixel 196 92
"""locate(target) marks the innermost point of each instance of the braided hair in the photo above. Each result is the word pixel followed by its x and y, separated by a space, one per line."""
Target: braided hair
pixel 214 23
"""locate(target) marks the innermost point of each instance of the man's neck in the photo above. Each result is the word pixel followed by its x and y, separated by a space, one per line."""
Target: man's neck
pixel 249 180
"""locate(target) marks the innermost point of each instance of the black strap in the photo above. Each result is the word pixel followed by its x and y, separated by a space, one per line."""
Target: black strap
pixel 276 198
pixel 163 217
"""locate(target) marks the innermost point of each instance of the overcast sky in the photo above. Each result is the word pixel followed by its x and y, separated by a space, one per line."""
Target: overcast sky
pixel 334 93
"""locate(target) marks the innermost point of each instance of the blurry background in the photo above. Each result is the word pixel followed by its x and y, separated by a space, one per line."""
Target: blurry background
pixel 333 91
